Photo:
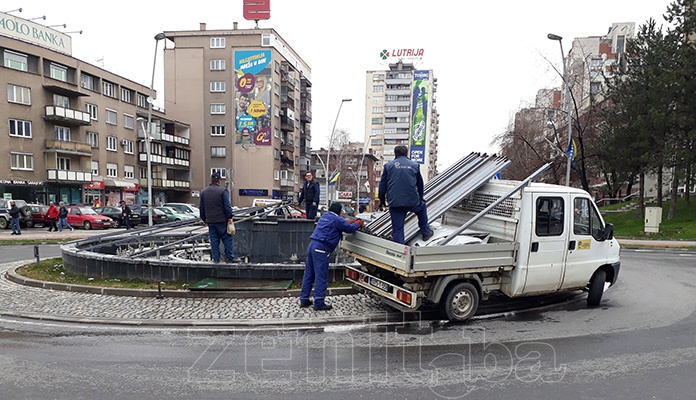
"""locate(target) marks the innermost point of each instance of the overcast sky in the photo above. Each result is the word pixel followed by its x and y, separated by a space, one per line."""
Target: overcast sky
pixel 490 58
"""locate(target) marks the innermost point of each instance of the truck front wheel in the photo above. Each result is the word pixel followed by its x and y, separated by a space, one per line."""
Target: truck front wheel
pixel 596 288
pixel 460 302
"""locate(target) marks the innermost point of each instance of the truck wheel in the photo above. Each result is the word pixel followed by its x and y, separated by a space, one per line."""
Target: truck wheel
pixel 460 302
pixel 596 287
pixel 3 223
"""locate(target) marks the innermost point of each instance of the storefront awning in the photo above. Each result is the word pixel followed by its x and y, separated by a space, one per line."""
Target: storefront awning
pixel 117 183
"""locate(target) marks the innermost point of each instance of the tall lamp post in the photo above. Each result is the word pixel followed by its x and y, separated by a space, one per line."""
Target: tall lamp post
pixel 148 132
pixel 566 80
pixel 328 152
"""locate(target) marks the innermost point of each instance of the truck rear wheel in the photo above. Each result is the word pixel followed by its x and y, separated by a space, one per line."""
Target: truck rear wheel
pixel 596 288
pixel 460 302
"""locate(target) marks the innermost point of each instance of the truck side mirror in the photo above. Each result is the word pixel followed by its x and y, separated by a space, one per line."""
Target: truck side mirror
pixel 608 232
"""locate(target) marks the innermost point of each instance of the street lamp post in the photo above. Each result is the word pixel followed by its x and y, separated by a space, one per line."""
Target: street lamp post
pixel 328 152
pixel 566 81
pixel 148 132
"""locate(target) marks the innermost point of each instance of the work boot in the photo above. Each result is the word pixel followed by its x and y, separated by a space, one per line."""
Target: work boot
pixel 325 307
pixel 306 305
pixel 427 236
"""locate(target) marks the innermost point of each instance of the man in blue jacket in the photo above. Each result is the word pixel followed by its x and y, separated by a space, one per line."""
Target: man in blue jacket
pixel 323 241
pixel 310 194
pixel 216 212
pixel 402 187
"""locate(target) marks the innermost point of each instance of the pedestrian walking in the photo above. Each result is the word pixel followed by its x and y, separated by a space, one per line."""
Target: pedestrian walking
pixel 14 218
pixel 310 194
pixel 63 217
pixel 402 187
pixel 323 241
pixel 216 213
pixel 52 215
pixel 125 214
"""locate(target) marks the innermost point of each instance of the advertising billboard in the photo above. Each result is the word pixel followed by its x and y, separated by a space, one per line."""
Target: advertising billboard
pixel 253 97
pixel 419 115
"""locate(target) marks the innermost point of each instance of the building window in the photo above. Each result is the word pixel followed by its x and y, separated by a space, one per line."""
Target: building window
pixel 217 108
pixel 142 172
pixel 142 100
pixel 276 154
pixel 108 89
pixel 95 167
pixel 378 77
pixel 91 109
pixel 378 88
pixel 59 72
pixel 595 87
pixel 218 151
pixel 111 117
pixel 111 170
pixel 217 130
pixel 126 96
pixel 217 65
pixel 128 146
pixel 22 161
pixel 377 121
pixel 61 133
pixel 221 171
pixel 376 131
pixel 217 42
pixel 276 89
pixel 265 39
pixel 276 132
pixel 377 110
pixel 61 101
pixel 20 128
pixel 63 163
pixel 128 121
pixel 93 139
pixel 15 60
pixel 128 171
pixel 276 175
pixel 111 143
pixel 217 86
pixel 87 81
pixel 18 94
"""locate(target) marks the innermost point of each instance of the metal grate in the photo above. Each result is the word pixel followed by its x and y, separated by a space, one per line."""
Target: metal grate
pixel 480 201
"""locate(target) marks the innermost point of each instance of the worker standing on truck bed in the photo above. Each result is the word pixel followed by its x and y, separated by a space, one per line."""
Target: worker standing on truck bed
pixel 323 241
pixel 402 185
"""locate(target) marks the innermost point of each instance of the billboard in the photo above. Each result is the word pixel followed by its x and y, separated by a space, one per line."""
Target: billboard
pixel 252 111
pixel 419 116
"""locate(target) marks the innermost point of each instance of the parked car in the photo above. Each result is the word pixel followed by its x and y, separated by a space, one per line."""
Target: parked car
pixel 115 214
pixel 39 215
pixel 86 217
pixel 175 215
pixel 158 217
pixel 185 207
pixel 25 219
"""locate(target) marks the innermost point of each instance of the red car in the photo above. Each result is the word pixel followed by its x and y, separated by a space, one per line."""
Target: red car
pixel 86 217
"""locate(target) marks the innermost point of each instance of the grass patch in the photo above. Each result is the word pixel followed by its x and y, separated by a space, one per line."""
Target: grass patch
pixel 629 224
pixel 51 270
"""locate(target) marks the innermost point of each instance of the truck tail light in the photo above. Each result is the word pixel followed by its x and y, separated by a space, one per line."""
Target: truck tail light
pixel 352 274
pixel 403 296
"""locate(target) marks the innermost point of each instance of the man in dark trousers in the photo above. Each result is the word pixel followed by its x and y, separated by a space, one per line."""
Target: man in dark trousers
pixel 323 241
pixel 310 194
pixel 216 213
pixel 125 214
pixel 52 215
pixel 14 216
pixel 402 186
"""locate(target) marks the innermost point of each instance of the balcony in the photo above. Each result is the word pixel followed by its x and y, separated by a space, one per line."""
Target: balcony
pixel 69 176
pixel 62 146
pixel 305 115
pixel 287 184
pixel 167 183
pixel 67 116
pixel 287 144
pixel 287 124
pixel 159 159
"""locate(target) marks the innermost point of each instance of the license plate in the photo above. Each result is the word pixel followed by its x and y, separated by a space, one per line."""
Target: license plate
pixel 380 285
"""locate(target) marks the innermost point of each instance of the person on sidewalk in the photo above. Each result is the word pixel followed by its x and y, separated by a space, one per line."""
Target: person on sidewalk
pixel 63 217
pixel 52 215
pixel 402 187
pixel 323 241
pixel 310 194
pixel 216 213
pixel 125 214
pixel 14 219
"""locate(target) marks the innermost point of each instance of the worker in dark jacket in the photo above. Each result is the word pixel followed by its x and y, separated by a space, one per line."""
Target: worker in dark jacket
pixel 402 187
pixel 310 194
pixel 14 216
pixel 323 241
pixel 216 212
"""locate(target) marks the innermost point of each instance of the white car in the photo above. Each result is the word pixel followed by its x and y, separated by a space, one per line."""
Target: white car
pixel 185 207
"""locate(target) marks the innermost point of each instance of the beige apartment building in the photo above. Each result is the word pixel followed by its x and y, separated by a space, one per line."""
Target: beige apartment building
pixel 74 131
pixel 400 110
pixel 247 96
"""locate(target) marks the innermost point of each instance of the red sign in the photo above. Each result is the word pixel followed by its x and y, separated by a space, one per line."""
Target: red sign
pixel 132 188
pixel 95 185
pixel 255 10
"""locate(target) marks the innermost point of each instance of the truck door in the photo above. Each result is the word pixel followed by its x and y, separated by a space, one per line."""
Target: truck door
pixel 547 250
pixel 586 248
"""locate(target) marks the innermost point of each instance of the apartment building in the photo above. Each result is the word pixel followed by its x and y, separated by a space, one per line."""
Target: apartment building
pixel 400 110
pixel 247 95
pixel 74 130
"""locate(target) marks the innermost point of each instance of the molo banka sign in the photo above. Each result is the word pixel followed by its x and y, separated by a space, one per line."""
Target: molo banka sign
pixel 38 34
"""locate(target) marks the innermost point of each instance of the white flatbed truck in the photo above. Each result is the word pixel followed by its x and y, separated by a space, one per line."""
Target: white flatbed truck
pixel 520 239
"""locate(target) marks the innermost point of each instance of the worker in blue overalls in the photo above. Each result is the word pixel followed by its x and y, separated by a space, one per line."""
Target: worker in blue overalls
pixel 323 241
